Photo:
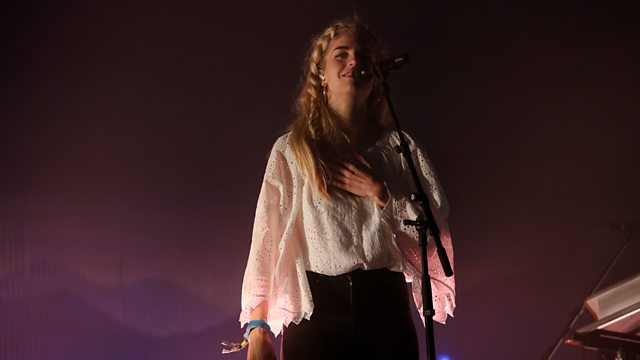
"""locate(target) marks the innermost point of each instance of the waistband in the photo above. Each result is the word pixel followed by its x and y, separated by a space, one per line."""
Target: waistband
pixel 358 275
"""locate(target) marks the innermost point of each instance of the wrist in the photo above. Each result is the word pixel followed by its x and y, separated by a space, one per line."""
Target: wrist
pixel 382 196
pixel 258 333
pixel 257 325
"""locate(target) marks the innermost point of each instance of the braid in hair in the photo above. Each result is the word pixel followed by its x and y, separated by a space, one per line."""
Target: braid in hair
pixel 316 92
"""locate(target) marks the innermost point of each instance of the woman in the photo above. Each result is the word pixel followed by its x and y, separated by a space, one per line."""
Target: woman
pixel 329 254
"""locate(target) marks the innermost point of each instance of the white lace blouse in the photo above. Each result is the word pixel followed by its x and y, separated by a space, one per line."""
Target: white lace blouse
pixel 296 231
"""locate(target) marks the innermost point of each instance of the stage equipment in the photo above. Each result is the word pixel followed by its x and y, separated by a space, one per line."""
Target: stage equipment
pixel 616 309
pixel 617 329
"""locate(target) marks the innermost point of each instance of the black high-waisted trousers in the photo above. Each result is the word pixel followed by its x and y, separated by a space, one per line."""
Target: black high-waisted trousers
pixel 359 315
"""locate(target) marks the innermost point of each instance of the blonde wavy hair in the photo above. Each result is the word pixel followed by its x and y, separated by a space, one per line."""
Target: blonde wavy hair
pixel 316 134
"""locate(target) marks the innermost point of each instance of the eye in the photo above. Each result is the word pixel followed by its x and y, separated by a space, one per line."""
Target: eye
pixel 342 55
pixel 364 56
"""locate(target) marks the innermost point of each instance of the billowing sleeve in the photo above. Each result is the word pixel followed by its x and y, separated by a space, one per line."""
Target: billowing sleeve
pixel 273 266
pixel 400 207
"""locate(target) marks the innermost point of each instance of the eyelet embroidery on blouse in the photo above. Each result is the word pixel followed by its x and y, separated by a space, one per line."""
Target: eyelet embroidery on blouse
pixel 295 231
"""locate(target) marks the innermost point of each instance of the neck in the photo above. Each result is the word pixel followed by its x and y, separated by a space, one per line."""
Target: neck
pixel 353 114
pixel 362 132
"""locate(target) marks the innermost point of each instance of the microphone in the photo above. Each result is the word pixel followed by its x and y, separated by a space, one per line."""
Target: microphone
pixel 624 226
pixel 364 73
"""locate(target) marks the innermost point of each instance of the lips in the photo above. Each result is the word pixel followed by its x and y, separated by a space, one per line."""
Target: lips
pixel 347 74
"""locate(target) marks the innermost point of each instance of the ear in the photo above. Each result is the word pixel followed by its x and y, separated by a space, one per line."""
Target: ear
pixel 323 78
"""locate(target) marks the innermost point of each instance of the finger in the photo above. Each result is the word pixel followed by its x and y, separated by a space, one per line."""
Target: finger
pixel 352 167
pixel 345 180
pixel 355 179
pixel 348 188
pixel 351 179
pixel 347 183
pixel 363 175
pixel 338 180
pixel 339 168
pixel 339 173
pixel 351 173
pixel 342 183
pixel 363 160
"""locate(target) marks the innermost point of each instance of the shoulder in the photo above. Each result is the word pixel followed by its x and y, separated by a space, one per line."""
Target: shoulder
pixel 390 139
pixel 282 154
pixel 280 148
pixel 282 144
pixel 283 141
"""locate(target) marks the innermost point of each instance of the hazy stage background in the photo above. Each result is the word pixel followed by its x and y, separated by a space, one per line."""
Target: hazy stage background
pixel 134 135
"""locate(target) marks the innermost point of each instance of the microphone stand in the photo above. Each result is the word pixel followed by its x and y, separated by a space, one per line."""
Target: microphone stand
pixel 424 223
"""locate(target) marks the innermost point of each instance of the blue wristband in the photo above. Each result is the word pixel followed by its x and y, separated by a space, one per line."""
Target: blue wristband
pixel 254 324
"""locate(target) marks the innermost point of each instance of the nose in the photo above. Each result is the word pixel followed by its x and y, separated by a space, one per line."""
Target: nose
pixel 353 61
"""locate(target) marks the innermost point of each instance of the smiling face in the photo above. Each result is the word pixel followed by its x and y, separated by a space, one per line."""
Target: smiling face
pixel 342 56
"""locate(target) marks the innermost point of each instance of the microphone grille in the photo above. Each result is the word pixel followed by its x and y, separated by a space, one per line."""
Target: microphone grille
pixel 361 74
